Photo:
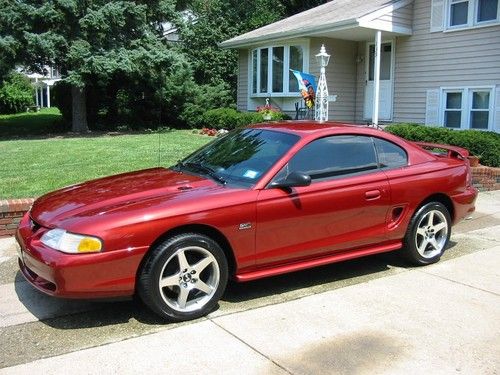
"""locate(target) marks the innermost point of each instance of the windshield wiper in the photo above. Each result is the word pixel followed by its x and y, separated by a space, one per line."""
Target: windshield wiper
pixel 203 168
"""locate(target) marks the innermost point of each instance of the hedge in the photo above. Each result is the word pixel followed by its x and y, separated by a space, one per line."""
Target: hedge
pixel 483 144
pixel 230 118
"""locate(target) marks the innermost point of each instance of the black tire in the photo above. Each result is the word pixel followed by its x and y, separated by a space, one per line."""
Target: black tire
pixel 183 277
pixel 428 234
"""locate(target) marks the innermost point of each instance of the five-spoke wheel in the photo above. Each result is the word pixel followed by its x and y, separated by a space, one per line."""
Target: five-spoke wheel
pixel 428 234
pixel 184 277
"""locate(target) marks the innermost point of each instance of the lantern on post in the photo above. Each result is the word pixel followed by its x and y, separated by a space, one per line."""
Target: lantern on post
pixel 321 108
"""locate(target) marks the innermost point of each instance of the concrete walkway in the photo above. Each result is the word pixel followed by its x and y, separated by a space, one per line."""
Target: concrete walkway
pixel 439 319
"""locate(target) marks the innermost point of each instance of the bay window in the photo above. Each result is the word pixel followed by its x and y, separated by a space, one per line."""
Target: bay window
pixel 270 69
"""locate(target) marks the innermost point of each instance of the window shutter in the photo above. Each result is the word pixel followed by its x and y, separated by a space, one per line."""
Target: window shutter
pixel 437 15
pixel 496 111
pixel 432 107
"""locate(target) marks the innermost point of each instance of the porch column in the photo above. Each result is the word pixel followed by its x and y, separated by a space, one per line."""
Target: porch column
pixel 48 96
pixel 376 77
pixel 36 91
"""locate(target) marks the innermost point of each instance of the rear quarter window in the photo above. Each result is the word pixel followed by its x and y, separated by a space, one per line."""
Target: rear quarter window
pixel 389 154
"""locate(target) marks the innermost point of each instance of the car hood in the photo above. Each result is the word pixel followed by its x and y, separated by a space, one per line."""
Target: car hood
pixel 107 194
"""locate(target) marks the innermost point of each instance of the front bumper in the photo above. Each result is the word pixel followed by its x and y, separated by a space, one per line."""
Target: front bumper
pixel 106 274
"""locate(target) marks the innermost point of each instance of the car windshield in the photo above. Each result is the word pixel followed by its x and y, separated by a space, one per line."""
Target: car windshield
pixel 240 157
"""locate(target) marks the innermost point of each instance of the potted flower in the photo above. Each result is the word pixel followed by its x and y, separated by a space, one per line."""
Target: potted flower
pixel 268 111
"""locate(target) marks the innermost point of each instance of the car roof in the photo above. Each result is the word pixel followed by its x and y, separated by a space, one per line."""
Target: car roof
pixel 304 128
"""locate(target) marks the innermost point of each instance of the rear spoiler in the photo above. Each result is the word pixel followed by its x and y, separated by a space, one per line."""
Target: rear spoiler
pixel 452 151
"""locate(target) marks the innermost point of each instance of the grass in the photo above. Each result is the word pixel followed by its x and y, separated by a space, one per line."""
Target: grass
pixel 48 120
pixel 32 167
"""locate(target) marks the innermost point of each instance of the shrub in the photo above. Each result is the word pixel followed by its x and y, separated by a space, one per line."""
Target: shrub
pixel 485 145
pixel 16 94
pixel 222 118
pixel 230 118
pixel 201 98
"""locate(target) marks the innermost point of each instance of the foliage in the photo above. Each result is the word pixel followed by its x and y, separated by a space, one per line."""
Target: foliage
pixel 202 98
pixel 483 144
pixel 230 118
pixel 216 21
pixel 296 6
pixel 93 42
pixel 16 94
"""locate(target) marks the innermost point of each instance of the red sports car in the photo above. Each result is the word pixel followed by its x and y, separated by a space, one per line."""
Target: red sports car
pixel 260 201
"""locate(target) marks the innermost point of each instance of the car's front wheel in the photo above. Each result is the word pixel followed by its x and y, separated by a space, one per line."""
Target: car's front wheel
pixel 183 277
pixel 428 234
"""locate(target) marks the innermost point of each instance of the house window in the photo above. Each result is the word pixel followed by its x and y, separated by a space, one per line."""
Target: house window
pixel 277 68
pixel 453 110
pixel 480 110
pixel 296 63
pixel 459 11
pixel 487 10
pixel 470 13
pixel 468 108
pixel 264 54
pixel 271 69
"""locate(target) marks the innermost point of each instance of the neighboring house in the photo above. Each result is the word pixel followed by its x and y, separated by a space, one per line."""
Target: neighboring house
pixel 170 31
pixel 43 84
pixel 439 60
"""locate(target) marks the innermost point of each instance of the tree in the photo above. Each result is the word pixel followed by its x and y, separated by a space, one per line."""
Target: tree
pixel 92 40
pixel 218 20
pixel 296 6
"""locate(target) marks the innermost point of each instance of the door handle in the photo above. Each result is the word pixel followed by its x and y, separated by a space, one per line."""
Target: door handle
pixel 372 195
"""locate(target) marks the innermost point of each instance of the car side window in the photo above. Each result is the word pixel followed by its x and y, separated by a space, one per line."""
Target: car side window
pixel 389 154
pixel 334 156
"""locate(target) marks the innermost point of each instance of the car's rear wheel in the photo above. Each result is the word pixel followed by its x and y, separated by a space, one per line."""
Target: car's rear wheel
pixel 183 277
pixel 428 234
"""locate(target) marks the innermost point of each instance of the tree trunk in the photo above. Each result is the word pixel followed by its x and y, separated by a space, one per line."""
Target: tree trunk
pixel 79 111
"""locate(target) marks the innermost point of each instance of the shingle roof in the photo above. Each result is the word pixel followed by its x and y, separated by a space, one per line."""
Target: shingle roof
pixel 329 15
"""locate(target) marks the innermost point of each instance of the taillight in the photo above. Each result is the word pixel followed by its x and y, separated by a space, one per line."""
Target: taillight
pixel 468 181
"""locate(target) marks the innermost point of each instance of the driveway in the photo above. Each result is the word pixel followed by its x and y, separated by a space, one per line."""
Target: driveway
pixel 371 315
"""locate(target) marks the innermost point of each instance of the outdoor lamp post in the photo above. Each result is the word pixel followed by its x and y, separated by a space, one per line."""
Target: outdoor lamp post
pixel 321 108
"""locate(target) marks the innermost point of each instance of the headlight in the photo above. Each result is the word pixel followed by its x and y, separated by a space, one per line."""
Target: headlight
pixel 66 242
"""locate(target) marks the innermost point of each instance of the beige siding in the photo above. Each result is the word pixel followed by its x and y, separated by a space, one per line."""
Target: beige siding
pixel 428 60
pixel 360 83
pixel 340 74
pixel 243 74
pixel 402 17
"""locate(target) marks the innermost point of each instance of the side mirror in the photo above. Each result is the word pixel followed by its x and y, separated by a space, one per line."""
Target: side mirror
pixel 294 179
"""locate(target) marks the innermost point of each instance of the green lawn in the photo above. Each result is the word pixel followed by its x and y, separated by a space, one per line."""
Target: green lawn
pixel 48 120
pixel 31 167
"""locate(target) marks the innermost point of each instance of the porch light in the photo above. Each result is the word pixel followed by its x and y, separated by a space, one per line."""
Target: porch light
pixel 321 106
pixel 322 57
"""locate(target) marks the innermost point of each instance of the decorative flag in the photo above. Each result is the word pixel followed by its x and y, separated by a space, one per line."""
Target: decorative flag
pixel 307 87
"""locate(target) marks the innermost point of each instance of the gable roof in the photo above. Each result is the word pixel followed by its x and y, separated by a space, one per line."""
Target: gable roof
pixel 335 14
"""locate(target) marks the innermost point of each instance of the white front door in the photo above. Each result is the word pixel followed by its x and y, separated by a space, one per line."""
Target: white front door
pixel 386 76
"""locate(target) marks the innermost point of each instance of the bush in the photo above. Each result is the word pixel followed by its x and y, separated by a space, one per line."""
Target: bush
pixel 222 118
pixel 16 94
pixel 485 145
pixel 202 98
pixel 230 118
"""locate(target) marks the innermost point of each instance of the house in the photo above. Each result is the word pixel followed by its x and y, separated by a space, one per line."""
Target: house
pixel 42 84
pixel 439 61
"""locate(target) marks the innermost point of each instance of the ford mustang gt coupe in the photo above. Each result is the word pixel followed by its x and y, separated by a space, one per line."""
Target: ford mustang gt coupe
pixel 260 201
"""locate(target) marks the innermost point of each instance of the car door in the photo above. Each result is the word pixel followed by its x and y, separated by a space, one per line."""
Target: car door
pixel 344 207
